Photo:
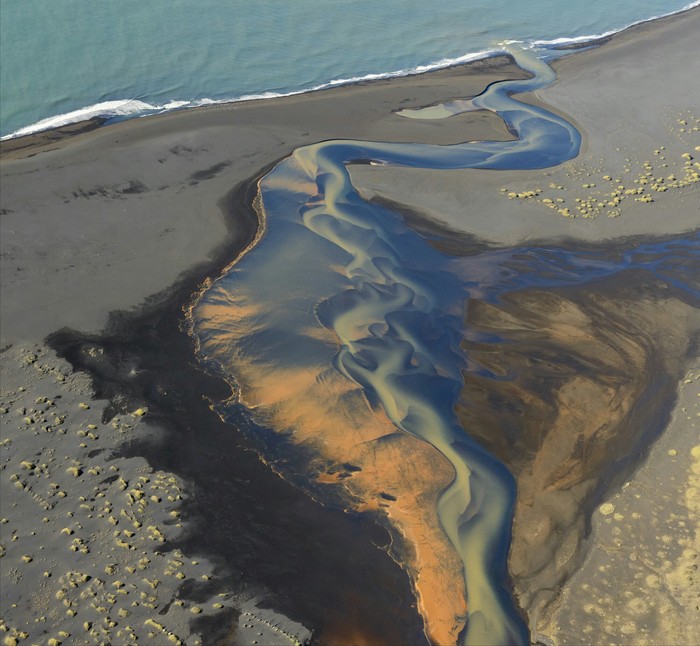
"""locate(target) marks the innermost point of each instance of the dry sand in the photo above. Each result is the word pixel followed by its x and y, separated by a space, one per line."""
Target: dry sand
pixel 85 533
pixel 106 219
pixel 82 530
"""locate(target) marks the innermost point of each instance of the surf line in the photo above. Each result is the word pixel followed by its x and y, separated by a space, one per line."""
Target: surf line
pixel 396 310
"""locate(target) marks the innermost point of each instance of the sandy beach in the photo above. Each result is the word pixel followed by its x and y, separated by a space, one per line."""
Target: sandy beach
pixel 132 513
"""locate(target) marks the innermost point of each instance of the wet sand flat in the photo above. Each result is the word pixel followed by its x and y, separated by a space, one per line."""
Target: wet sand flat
pixel 143 211
pixel 142 202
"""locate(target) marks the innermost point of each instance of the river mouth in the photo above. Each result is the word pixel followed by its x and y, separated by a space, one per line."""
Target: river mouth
pixel 343 327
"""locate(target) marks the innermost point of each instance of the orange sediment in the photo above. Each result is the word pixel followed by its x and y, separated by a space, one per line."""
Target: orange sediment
pixel 391 473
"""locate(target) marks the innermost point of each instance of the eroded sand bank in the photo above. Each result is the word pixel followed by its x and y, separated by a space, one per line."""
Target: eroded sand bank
pixel 639 582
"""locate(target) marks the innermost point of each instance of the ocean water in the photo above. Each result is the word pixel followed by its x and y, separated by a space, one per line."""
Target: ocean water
pixel 67 60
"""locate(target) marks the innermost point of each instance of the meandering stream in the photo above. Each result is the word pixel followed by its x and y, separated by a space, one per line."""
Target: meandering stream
pixel 337 282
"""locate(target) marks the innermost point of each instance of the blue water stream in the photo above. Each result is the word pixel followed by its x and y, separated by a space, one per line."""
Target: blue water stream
pixel 395 305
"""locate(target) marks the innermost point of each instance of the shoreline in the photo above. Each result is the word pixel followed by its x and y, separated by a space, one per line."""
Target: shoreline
pixel 129 170
pixel 212 173
pixel 84 125
pixel 17 147
pixel 169 135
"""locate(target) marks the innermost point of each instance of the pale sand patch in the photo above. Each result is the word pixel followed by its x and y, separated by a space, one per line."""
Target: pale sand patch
pixel 262 626
pixel 84 554
pixel 633 101
pixel 639 583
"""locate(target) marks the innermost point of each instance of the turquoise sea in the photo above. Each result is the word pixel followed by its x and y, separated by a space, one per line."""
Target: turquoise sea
pixel 67 60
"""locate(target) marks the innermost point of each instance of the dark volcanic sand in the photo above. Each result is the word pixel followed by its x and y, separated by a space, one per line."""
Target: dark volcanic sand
pixel 319 566
pixel 262 531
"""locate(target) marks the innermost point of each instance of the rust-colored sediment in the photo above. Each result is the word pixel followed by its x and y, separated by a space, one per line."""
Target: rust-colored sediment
pixel 328 414
pixel 358 453
pixel 594 372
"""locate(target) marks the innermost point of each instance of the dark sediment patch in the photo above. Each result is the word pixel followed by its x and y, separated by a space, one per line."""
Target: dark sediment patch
pixel 324 568
pixel 578 383
pixel 208 173
pixel 438 235
pixel 134 187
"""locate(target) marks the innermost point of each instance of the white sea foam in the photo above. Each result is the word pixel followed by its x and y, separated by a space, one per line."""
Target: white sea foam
pixel 411 71
pixel 123 108
pixel 119 108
